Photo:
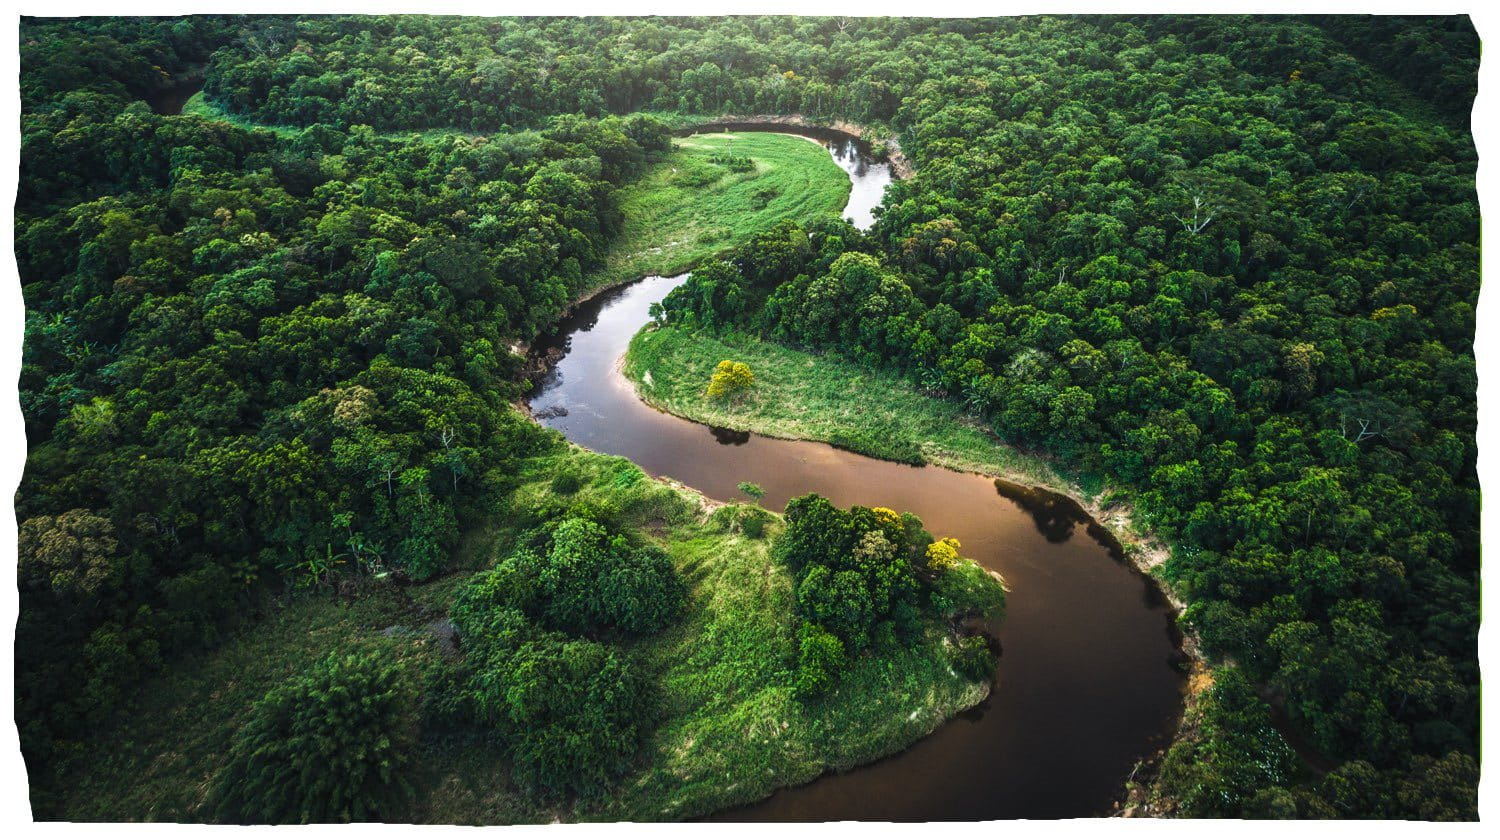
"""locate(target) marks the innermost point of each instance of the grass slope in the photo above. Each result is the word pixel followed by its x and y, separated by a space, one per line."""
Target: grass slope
pixel 732 731
pixel 687 209
pixel 804 396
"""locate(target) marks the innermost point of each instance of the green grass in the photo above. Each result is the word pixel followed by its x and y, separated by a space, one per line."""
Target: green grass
pixel 804 396
pixel 732 732
pixel 686 209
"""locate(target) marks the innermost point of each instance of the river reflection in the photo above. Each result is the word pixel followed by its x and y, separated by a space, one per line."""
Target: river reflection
pixel 729 437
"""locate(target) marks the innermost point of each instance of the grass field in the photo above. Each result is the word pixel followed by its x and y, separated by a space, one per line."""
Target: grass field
pixel 803 396
pixel 687 209
pixel 732 731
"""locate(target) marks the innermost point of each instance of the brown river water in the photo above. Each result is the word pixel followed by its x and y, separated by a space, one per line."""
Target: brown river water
pixel 1087 681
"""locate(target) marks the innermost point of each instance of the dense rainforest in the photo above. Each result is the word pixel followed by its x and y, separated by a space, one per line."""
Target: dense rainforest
pixel 1228 265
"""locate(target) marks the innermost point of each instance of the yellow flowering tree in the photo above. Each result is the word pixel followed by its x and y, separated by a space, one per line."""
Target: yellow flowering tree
pixel 729 378
pixel 942 554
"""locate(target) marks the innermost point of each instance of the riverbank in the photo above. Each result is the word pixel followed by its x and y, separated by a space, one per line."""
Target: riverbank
pixel 802 396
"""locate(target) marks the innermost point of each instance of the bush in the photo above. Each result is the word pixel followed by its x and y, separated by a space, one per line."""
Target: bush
pixel 572 712
pixel 329 745
pixel 820 657
pixel 972 658
pixel 729 378
pixel 575 577
pixel 898 449
pixel 753 523
pixel 941 555
pixel 566 483
pixel 590 581
pixel 968 590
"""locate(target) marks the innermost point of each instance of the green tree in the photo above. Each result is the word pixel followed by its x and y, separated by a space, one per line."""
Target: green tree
pixel 329 745
pixel 729 378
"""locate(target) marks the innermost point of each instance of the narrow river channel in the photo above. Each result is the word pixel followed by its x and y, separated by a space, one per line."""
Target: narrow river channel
pixel 1086 684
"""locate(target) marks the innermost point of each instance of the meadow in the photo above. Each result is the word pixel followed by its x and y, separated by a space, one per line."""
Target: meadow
pixel 689 208
pixel 808 396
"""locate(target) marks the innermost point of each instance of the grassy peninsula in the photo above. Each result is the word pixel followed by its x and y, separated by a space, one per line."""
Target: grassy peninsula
pixel 806 396
pixel 711 193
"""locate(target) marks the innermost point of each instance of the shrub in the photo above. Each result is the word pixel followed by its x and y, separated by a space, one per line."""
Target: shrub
pixel 820 656
pixel 972 658
pixel 696 174
pixel 566 483
pixel 572 712
pixel 941 555
pixel 729 378
pixel 329 745
pixel 753 523
pixel 590 581
pixel 968 590
pixel 575 577
pixel 898 449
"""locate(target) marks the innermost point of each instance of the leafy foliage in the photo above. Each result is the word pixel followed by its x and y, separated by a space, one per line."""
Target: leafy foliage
pixel 571 712
pixel 330 745
pixel 941 555
pixel 729 378
pixel 857 581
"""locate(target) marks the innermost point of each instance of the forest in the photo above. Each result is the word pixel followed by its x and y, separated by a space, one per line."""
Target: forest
pixel 274 348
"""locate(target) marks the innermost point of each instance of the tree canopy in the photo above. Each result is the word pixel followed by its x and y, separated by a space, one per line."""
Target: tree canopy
pixel 1227 264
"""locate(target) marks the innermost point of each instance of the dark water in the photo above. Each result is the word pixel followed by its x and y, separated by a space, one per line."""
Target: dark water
pixel 1086 683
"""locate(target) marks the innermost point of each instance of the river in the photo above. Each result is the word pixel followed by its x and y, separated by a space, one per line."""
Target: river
pixel 1086 683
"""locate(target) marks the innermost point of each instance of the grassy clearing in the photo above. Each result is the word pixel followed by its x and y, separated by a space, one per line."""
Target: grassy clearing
pixel 687 208
pixel 804 396
pixel 732 732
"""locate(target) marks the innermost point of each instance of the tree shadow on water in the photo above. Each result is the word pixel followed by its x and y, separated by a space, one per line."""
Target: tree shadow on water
pixel 1055 516
pixel 729 437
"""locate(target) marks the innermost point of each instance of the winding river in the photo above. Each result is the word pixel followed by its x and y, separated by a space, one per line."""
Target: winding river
pixel 1086 684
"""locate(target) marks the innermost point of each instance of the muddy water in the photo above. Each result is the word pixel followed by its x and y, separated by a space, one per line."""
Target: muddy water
pixel 1086 683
